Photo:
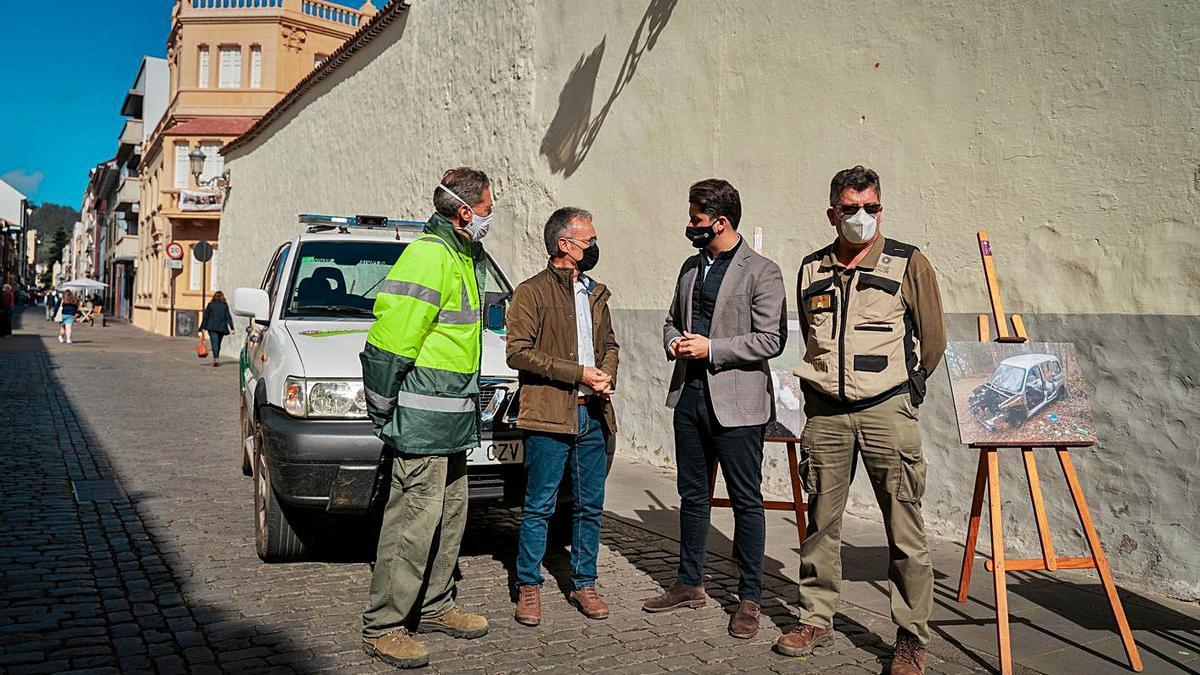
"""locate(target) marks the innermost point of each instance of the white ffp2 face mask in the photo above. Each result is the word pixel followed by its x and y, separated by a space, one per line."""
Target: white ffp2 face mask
pixel 478 228
pixel 860 227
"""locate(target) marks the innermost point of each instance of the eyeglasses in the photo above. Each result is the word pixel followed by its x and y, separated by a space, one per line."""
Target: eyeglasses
pixel 589 242
pixel 851 209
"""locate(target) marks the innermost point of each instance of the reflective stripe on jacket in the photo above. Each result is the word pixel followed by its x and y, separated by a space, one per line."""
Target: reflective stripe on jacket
pixel 421 360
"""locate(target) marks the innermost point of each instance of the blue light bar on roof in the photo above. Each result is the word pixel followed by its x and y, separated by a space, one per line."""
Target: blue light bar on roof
pixel 360 221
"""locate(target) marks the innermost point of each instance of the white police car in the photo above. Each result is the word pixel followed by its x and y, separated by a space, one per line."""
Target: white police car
pixel 307 440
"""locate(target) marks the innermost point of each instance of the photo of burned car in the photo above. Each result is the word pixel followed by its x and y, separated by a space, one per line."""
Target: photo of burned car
pixel 1019 394
pixel 1020 387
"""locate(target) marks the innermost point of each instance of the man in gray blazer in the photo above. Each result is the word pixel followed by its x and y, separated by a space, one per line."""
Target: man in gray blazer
pixel 727 318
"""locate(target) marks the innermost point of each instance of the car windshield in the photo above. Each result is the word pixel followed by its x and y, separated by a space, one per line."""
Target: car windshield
pixel 1008 378
pixel 340 279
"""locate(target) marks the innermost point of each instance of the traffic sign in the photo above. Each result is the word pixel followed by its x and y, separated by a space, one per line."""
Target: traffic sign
pixel 175 250
pixel 173 264
pixel 202 251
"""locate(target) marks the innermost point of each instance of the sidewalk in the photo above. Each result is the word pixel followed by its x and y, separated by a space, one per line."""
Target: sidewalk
pixel 1060 622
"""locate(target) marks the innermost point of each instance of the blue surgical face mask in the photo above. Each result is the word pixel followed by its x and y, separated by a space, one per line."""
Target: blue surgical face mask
pixel 478 228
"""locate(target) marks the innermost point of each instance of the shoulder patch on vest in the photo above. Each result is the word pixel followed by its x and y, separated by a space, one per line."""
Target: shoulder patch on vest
pixel 898 248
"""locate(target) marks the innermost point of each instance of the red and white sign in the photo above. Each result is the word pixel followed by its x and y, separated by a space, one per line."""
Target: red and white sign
pixel 175 251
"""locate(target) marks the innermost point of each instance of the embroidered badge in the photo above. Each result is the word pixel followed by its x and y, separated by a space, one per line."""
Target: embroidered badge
pixel 885 263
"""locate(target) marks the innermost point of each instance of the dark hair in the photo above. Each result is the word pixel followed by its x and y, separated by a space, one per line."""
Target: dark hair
pixel 218 296
pixel 715 198
pixel 558 224
pixel 858 179
pixel 467 183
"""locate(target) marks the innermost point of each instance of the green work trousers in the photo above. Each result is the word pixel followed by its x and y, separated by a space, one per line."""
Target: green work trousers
pixel 418 545
pixel 887 437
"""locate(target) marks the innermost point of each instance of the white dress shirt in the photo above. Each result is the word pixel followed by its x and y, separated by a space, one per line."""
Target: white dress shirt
pixel 583 328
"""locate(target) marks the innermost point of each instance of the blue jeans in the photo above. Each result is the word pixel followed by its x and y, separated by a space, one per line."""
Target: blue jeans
pixel 545 457
pixel 214 339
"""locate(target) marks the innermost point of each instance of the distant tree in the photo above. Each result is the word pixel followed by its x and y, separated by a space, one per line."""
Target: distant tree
pixel 48 220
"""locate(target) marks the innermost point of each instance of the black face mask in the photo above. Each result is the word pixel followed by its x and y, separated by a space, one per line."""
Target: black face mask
pixel 699 236
pixel 591 256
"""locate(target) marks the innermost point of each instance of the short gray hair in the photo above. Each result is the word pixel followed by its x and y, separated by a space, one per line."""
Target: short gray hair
pixel 558 224
pixel 467 183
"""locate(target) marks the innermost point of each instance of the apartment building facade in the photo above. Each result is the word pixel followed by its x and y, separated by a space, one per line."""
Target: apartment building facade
pixel 229 62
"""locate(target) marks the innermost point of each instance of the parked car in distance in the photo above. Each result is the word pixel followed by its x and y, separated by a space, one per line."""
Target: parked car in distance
pixel 306 437
pixel 1019 388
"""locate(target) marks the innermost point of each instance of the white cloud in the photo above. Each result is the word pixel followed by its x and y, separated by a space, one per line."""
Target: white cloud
pixel 25 182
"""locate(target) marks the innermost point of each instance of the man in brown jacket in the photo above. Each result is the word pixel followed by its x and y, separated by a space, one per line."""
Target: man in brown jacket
pixel 561 342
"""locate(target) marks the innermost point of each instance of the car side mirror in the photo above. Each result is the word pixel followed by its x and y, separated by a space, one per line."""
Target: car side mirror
pixel 252 303
pixel 494 320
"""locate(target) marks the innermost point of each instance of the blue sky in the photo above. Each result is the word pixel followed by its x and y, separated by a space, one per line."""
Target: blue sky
pixel 67 66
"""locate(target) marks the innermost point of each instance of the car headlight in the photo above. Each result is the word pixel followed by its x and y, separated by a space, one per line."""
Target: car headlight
pixel 325 398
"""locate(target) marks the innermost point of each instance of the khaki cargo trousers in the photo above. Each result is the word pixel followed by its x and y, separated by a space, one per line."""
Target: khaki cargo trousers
pixel 422 529
pixel 887 437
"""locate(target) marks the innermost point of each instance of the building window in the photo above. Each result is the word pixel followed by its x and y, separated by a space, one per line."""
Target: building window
pixel 319 60
pixel 204 77
pixel 231 68
pixel 181 165
pixel 256 67
pixel 195 270
pixel 214 163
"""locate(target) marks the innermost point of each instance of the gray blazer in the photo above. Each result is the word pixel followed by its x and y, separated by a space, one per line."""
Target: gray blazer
pixel 749 326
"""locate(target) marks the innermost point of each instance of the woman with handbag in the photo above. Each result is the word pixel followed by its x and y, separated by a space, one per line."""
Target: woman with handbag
pixel 67 311
pixel 217 322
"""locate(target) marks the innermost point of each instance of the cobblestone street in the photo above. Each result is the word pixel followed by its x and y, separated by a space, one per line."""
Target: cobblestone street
pixel 128 547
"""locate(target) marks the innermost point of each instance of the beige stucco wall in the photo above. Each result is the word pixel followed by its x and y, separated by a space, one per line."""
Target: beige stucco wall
pixel 1067 131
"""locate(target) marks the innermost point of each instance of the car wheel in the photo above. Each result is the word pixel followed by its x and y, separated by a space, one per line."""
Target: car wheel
pixel 1016 419
pixel 1063 393
pixel 277 529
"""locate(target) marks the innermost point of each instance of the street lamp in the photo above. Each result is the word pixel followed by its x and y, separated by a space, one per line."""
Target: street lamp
pixel 196 164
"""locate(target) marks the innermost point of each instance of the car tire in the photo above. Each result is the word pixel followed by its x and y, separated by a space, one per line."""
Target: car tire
pixel 279 532
pixel 247 467
pixel 1063 393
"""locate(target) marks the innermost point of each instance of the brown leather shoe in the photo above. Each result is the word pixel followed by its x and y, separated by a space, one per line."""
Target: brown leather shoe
pixel 529 605
pixel 676 597
pixel 908 657
pixel 589 602
pixel 744 622
pixel 804 640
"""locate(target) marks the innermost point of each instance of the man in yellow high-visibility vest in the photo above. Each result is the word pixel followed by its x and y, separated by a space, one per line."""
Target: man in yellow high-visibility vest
pixel 421 376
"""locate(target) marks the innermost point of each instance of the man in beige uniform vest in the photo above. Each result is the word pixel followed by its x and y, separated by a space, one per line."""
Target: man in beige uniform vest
pixel 871 318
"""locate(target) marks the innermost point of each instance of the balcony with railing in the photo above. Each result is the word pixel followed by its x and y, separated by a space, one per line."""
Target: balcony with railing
pixel 346 18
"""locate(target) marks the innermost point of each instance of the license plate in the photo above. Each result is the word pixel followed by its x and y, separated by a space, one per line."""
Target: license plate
pixel 498 452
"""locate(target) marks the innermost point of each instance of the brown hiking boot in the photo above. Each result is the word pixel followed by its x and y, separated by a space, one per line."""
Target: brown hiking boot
pixel 529 605
pixel 804 640
pixel 744 622
pixel 588 601
pixel 398 649
pixel 908 657
pixel 456 623
pixel 677 596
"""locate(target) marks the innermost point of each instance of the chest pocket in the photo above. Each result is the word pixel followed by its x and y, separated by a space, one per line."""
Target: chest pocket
pixel 878 302
pixel 820 303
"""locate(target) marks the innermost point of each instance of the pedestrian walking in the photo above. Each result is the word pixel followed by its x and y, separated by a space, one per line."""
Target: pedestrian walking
pixel 7 302
pixel 67 309
pixel 871 317
pixel 51 302
pixel 421 377
pixel 561 343
pixel 727 318
pixel 217 322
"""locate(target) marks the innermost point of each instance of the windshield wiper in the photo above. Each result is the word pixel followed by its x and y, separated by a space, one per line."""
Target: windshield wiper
pixel 340 309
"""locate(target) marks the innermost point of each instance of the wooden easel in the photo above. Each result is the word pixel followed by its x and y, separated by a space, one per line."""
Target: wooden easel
pixel 797 504
pixel 988 476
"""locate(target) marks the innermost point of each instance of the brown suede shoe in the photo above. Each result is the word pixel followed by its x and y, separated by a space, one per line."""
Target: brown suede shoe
pixel 908 657
pixel 744 622
pixel 456 623
pixel 676 597
pixel 398 649
pixel 804 640
pixel 529 605
pixel 588 601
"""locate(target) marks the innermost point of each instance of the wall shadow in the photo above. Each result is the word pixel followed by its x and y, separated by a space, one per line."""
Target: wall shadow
pixel 574 129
